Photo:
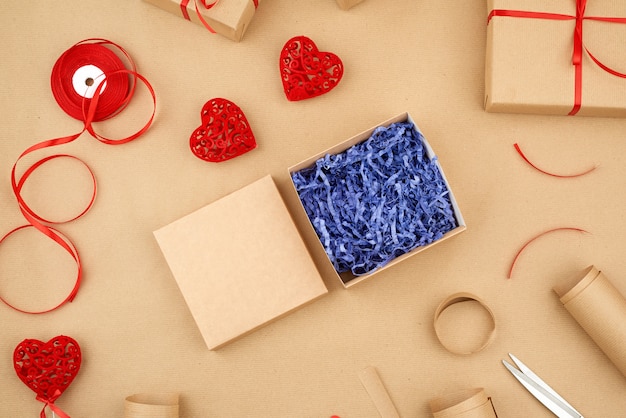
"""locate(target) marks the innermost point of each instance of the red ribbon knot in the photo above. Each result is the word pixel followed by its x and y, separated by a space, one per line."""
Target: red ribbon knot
pixel 49 403
pixel 205 3
pixel 577 53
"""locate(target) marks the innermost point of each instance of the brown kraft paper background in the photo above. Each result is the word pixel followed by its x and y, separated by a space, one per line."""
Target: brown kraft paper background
pixel 420 56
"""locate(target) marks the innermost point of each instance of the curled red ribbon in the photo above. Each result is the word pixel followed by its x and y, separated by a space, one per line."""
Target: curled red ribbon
pixel 582 173
pixel 577 53
pixel 527 243
pixel 110 97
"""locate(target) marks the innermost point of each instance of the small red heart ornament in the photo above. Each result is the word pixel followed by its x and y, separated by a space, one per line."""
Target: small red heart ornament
pixel 47 368
pixel 305 71
pixel 224 134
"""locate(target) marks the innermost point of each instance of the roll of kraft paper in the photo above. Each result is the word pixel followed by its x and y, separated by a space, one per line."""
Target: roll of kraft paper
pixel 470 403
pixel 151 405
pixel 600 309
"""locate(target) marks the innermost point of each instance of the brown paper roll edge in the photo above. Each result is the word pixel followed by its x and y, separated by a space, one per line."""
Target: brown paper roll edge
pixel 572 287
pixel 458 298
pixel 151 405
pixel 600 309
pixel 456 404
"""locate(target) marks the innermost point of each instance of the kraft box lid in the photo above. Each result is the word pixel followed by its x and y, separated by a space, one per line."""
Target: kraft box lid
pixel 240 263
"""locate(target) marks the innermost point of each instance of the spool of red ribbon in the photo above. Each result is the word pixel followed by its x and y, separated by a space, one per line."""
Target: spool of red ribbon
pixel 79 72
pixel 91 82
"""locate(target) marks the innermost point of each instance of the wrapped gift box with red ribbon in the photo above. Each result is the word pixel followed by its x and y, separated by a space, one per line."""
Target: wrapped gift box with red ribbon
pixel 558 57
pixel 229 18
pixel 347 4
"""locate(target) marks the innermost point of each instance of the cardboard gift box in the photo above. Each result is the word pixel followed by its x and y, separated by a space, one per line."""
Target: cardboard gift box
pixel 229 18
pixel 348 278
pixel 347 4
pixel 532 47
pixel 240 263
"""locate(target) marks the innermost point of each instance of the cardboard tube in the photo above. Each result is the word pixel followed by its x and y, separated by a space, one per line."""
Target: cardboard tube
pixel 600 309
pixel 459 298
pixel 151 405
pixel 470 403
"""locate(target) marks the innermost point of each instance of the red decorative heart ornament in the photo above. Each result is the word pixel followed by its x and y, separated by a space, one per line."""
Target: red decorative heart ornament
pixel 306 72
pixel 48 368
pixel 224 134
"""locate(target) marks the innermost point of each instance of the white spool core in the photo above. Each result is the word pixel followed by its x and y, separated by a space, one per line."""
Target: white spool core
pixel 87 79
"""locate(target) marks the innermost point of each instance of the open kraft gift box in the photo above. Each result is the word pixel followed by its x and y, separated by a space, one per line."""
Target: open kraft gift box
pixel 531 51
pixel 241 263
pixel 229 18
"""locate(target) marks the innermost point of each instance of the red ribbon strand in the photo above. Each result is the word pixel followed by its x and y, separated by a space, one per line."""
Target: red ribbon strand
pixel 536 237
pixel 110 97
pixel 49 402
pixel 577 53
pixel 207 5
pixel 582 173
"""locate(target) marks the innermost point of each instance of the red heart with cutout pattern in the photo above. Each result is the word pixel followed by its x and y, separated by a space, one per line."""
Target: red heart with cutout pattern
pixel 306 72
pixel 224 134
pixel 47 368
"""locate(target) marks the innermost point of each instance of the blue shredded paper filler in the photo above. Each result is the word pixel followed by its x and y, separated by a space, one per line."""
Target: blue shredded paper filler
pixel 377 200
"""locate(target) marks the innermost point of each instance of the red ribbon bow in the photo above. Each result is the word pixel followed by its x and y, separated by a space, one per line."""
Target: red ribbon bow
pixel 49 402
pixel 577 54
pixel 207 5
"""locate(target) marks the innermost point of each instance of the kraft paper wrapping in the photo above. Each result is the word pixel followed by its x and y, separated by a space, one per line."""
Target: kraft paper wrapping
pixel 151 405
pixel 528 67
pixel 600 309
pixel 308 362
pixel 470 403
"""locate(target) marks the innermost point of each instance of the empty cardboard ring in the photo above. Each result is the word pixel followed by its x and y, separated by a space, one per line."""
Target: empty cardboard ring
pixel 467 403
pixel 151 405
pixel 458 298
